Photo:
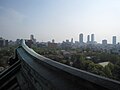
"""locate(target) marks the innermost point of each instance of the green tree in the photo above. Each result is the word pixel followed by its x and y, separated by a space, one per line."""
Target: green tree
pixel 107 71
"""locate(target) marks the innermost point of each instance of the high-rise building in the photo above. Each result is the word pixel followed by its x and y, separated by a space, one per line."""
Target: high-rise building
pixel 88 38
pixel 71 40
pixel 33 39
pixel 92 38
pixel 67 41
pixel 81 38
pixel 104 42
pixel 53 41
pixel 6 42
pixel 3 42
pixel 18 41
pixel 114 40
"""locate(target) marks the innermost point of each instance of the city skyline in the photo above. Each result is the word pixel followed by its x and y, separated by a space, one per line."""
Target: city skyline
pixel 89 39
pixel 60 19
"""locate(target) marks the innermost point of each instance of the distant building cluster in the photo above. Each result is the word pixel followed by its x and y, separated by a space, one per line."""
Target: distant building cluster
pixel 90 43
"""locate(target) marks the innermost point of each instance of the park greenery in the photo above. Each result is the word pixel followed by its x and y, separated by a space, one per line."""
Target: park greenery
pixel 5 53
pixel 78 58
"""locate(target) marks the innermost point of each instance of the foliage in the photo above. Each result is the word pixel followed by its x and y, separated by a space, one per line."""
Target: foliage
pixel 5 54
pixel 78 59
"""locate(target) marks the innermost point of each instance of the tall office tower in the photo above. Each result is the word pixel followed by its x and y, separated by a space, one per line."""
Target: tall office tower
pixel 92 38
pixel 88 38
pixel 81 38
pixel 114 40
pixel 71 40
pixel 1 42
pixel 53 41
pixel 31 37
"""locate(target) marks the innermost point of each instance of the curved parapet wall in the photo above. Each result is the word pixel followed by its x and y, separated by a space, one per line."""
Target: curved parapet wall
pixel 47 74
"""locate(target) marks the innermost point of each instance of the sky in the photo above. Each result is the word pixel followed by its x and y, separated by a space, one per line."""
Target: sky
pixel 60 19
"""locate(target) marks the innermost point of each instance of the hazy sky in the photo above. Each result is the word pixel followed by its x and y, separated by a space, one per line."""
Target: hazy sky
pixel 60 19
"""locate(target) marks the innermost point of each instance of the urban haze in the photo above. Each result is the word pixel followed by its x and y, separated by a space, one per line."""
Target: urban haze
pixel 60 19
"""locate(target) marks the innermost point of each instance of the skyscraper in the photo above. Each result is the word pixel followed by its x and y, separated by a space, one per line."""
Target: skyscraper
pixel 31 37
pixel 3 42
pixel 88 38
pixel 114 40
pixel 71 40
pixel 81 38
pixel 53 41
pixel 92 38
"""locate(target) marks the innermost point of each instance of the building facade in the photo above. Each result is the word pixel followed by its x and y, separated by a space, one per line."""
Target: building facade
pixel 114 40
pixel 81 38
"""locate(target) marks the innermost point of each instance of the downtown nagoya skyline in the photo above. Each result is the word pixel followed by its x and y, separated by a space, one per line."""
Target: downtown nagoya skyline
pixel 60 19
